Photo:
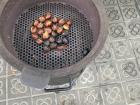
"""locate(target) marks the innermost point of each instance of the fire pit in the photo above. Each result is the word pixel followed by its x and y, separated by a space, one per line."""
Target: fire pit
pixel 86 38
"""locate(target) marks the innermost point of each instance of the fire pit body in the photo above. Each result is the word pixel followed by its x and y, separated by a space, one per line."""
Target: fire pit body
pixel 86 38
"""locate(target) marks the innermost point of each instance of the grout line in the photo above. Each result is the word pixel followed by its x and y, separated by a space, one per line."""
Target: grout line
pixel 78 92
pixel 56 99
pixel 31 96
pixel 123 91
pixel 6 85
pixel 120 11
pixel 19 98
pixel 3 100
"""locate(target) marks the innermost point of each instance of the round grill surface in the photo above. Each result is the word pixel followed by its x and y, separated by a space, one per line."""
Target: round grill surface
pixel 80 37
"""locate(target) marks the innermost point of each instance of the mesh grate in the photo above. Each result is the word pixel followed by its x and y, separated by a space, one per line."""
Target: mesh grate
pixel 29 52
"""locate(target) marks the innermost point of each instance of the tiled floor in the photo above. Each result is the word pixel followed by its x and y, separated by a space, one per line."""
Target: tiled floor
pixel 112 79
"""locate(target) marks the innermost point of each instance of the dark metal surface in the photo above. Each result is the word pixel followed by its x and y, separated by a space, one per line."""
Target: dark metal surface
pixel 80 37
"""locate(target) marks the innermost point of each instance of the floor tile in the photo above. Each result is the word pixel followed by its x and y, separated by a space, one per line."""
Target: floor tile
pixel 108 72
pixel 133 29
pixel 129 12
pixel 68 98
pixel 113 95
pixel 2 88
pixel 109 2
pixel 126 2
pixel 37 92
pixel 117 31
pixel 91 96
pixel 11 71
pixel 113 14
pixel 122 49
pixel 106 53
pixel 128 69
pixel 136 47
pixel 23 101
pixel 48 99
pixel 2 67
pixel 89 77
pixel 16 88
pixel 3 103
pixel 132 91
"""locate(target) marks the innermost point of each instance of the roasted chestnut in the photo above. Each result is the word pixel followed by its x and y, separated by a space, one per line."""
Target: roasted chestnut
pixel 33 29
pixel 46 35
pixel 48 23
pixel 39 41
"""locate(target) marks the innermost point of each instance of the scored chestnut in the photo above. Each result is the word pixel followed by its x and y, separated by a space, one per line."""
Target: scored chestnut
pixel 48 23
pixel 52 39
pixel 62 47
pixel 33 29
pixel 34 36
pixel 40 31
pixel 54 34
pixel 46 35
pixel 42 19
pixel 54 20
pixel 48 15
pixel 65 40
pixel 46 43
pixel 40 25
pixel 39 41
pixel 36 22
pixel 61 22
pixel 54 27
pixel 59 30
pixel 66 26
pixel 53 45
pixel 49 30
pixel 46 49
pixel 59 41
pixel 69 22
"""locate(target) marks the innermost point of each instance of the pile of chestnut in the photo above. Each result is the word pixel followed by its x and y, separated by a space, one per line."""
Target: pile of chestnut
pixel 51 31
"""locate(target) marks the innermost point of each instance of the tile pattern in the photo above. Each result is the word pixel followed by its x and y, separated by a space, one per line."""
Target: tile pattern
pixel 111 79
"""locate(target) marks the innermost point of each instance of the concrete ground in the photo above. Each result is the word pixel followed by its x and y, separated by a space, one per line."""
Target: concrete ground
pixel 113 78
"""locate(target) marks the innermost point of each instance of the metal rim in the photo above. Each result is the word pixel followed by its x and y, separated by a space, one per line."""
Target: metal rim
pixel 82 64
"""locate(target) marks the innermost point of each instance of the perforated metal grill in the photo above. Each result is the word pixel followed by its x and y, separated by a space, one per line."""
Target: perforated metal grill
pixel 29 52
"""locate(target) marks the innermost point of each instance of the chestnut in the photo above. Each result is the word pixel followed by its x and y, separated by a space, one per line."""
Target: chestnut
pixel 65 40
pixel 59 41
pixel 40 31
pixel 61 22
pixel 36 22
pixel 59 30
pixel 52 39
pixel 53 45
pixel 54 20
pixel 34 36
pixel 46 49
pixel 42 19
pixel 40 25
pixel 46 43
pixel 33 29
pixel 46 35
pixel 49 30
pixel 66 26
pixel 39 41
pixel 54 27
pixel 62 47
pixel 54 34
pixel 48 23
pixel 69 22
pixel 48 15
